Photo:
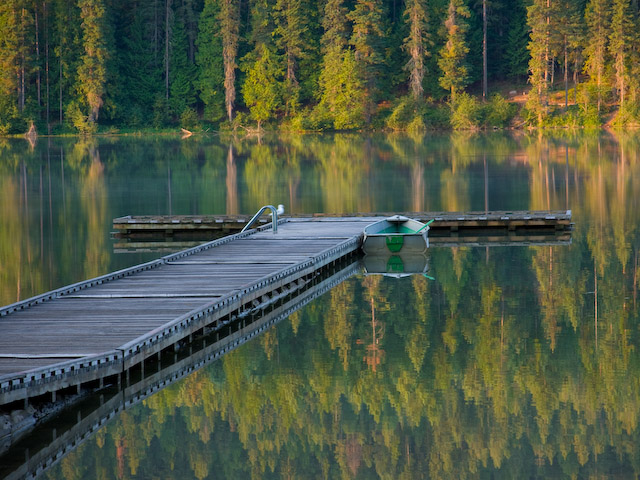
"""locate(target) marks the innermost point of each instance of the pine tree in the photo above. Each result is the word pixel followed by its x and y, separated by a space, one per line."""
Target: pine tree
pixel 291 37
pixel 209 58
pixel 261 89
pixel 140 73
pixel 567 27
pixel 335 25
pixel 183 72
pixel 634 70
pixel 452 61
pixel 516 55
pixel 92 73
pixel 8 64
pixel 343 88
pixel 598 19
pixel 620 44
pixel 367 39
pixel 67 41
pixel 230 32
pixel 416 44
pixel 539 46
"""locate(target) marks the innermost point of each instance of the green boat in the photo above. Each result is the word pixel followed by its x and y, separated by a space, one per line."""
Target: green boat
pixel 395 234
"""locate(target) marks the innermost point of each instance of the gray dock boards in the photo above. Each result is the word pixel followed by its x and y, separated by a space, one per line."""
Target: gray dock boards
pixel 107 316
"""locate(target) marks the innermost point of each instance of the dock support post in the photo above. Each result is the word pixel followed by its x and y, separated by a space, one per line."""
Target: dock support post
pixel 53 397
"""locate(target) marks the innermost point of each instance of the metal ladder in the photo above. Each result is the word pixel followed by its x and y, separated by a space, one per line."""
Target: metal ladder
pixel 274 217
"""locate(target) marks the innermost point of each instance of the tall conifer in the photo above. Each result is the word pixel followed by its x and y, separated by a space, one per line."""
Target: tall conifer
pixel 452 61
pixel 230 32
pixel 209 59
pixel 92 73
pixel 291 37
pixel 8 63
pixel 539 46
pixel 367 39
pixel 620 44
pixel 598 19
pixel 417 44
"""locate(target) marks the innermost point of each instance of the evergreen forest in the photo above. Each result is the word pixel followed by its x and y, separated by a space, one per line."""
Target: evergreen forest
pixel 107 66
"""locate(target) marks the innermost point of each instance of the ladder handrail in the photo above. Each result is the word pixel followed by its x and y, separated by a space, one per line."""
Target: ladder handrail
pixel 274 217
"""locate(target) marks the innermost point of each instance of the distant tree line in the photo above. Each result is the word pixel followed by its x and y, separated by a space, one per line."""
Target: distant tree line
pixel 334 64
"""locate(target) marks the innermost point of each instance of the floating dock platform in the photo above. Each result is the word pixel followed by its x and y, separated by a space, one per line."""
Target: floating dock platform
pixel 444 223
pixel 86 334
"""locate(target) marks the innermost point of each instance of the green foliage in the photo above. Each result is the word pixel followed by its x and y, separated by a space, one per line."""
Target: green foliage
pixel 162 111
pixel 417 44
pixel 92 72
pixel 467 113
pixel 402 114
pixel 499 112
pixel 408 114
pixel 453 56
pixel 343 88
pixel 141 77
pixel 10 120
pixel 516 54
pixel 588 97
pixel 78 120
pixel 182 72
pixel 209 59
pixel 368 42
pixel 189 119
pixel 313 119
pixel 628 115
pixel 109 58
pixel 261 90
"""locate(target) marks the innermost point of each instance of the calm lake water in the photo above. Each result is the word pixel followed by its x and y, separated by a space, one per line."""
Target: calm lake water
pixel 510 362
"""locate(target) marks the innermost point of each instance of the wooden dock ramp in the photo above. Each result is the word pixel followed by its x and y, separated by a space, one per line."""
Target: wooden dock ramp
pixel 51 440
pixel 100 329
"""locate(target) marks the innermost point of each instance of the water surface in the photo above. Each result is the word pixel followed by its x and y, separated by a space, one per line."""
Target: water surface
pixel 511 362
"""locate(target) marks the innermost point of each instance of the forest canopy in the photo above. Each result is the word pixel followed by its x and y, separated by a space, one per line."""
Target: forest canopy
pixel 85 65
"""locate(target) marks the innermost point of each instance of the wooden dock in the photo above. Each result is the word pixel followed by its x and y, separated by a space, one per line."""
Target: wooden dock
pixel 95 331
pixel 443 222
pixel 47 443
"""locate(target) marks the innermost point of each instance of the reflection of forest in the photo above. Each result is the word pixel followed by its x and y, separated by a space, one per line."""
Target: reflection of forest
pixel 521 360
pixel 495 368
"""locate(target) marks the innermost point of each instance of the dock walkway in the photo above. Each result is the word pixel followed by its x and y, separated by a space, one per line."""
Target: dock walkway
pixel 101 328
